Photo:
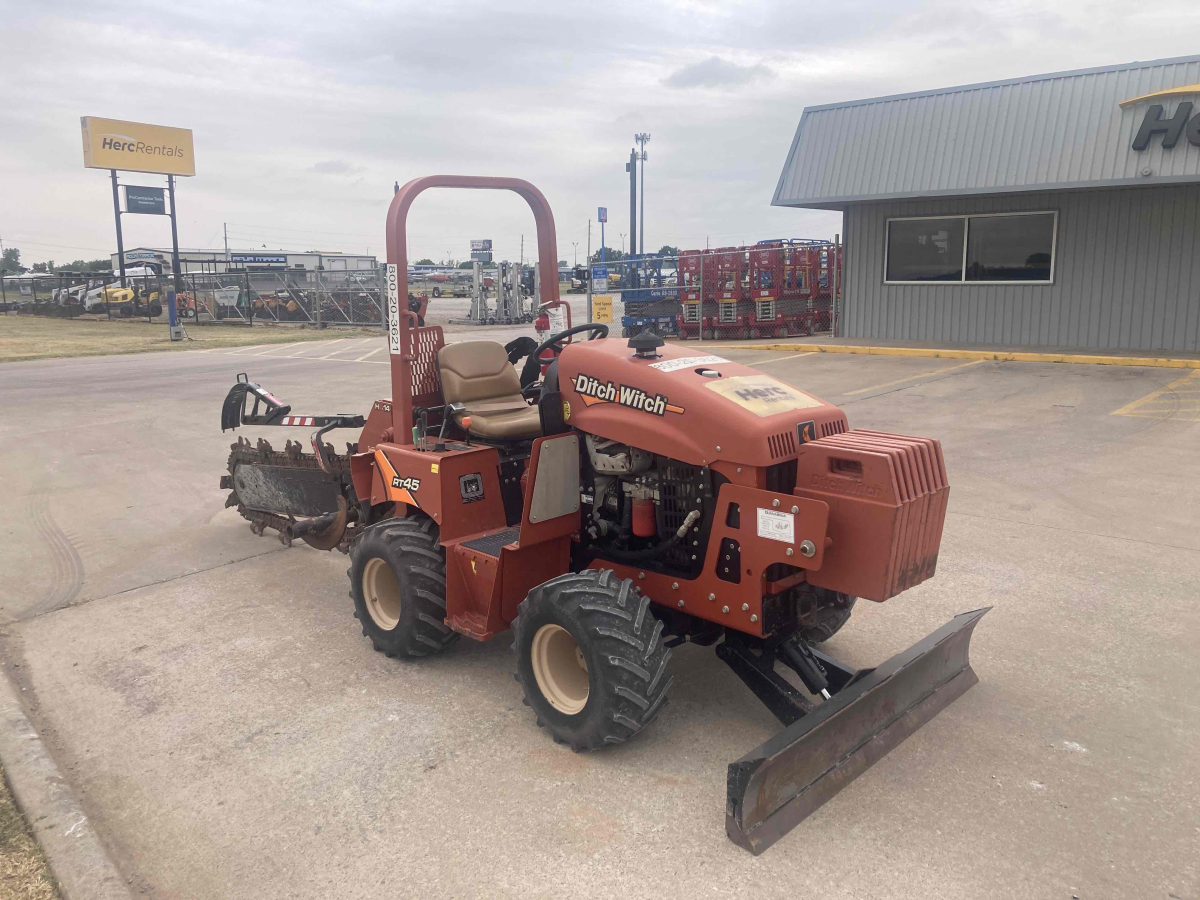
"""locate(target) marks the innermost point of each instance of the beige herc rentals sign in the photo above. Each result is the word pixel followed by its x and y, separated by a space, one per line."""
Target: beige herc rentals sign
pixel 136 147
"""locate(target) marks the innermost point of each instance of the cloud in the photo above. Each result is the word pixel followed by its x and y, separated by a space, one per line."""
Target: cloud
pixel 716 72
pixel 335 167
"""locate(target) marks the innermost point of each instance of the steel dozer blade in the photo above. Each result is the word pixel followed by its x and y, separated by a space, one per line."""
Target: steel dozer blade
pixel 778 784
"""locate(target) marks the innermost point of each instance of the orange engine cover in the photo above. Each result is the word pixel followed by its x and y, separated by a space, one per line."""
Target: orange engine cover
pixel 887 496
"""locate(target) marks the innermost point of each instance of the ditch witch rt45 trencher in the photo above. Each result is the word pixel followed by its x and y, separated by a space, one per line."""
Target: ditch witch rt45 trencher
pixel 610 505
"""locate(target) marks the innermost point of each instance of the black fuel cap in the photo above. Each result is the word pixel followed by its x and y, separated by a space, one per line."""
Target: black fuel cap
pixel 646 344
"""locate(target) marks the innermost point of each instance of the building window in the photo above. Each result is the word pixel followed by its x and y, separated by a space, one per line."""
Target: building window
pixel 925 249
pixel 1010 248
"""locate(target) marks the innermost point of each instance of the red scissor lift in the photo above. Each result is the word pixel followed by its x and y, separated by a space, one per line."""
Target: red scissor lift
pixel 730 306
pixel 783 282
pixel 697 284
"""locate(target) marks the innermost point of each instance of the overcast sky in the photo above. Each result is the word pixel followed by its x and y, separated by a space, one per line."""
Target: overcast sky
pixel 306 113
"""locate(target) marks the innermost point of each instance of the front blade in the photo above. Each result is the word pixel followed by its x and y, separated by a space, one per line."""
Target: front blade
pixel 778 784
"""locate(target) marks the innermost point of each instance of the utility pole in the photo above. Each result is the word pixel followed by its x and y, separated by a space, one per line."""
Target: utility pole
pixel 631 168
pixel 522 263
pixel 225 226
pixel 589 271
pixel 642 138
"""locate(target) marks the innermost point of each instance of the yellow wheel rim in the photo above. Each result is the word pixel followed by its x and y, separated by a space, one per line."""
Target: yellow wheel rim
pixel 381 593
pixel 560 669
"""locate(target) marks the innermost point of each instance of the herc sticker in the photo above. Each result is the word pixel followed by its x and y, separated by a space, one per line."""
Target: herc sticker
pixel 762 394
pixel 471 487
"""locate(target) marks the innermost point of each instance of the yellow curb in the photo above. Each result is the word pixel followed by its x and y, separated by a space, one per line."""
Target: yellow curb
pixel 1158 362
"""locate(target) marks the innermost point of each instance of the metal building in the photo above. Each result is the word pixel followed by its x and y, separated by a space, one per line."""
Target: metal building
pixel 1059 210
pixel 217 261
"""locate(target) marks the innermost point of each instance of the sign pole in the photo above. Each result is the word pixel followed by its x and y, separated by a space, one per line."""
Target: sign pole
pixel 172 309
pixel 117 216
pixel 589 272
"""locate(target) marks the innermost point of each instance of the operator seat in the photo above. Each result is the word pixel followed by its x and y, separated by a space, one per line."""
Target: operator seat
pixel 479 375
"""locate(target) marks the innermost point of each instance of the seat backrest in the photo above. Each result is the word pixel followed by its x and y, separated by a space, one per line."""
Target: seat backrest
pixel 477 370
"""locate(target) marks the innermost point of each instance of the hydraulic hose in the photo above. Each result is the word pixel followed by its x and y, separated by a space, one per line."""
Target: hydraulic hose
pixel 658 549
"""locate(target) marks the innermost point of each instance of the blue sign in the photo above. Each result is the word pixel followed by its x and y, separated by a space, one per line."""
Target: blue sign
pixel 602 214
pixel 599 273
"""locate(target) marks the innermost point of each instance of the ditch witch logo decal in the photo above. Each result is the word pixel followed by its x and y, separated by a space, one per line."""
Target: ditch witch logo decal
pixel 593 390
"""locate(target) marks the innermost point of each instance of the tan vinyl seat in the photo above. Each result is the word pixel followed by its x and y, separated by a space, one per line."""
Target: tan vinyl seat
pixel 479 375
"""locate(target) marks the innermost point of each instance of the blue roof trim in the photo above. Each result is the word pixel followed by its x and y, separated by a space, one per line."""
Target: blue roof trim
pixel 836 203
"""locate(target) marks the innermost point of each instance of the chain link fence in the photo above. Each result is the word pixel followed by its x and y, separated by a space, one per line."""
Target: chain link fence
pixel 320 298
pixel 781 288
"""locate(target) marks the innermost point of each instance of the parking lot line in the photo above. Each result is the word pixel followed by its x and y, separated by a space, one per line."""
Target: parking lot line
pixel 1178 400
pixel 763 362
pixel 369 354
pixel 876 387
pixel 278 347
pixel 244 349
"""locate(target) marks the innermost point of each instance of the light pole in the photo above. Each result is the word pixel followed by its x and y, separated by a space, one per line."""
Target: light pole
pixel 575 244
pixel 622 244
pixel 642 138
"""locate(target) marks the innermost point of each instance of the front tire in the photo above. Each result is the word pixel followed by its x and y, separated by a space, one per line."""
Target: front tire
pixel 398 585
pixel 830 616
pixel 590 658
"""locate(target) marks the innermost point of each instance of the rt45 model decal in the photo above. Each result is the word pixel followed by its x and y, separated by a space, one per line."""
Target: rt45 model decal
pixel 593 390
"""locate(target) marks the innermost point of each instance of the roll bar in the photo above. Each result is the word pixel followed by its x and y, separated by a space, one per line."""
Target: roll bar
pixel 397 255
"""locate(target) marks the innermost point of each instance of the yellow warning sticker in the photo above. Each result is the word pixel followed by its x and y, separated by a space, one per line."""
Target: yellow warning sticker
pixel 433 467
pixel 762 394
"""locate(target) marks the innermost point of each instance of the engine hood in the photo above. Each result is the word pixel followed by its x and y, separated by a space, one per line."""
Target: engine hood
pixel 665 405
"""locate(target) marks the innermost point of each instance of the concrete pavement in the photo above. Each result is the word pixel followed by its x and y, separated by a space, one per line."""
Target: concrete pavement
pixel 230 734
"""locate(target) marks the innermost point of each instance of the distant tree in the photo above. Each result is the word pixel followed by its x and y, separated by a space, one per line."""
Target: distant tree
pixel 562 263
pixel 668 250
pixel 84 265
pixel 39 267
pixel 610 255
pixel 424 262
pixel 465 264
pixel 11 261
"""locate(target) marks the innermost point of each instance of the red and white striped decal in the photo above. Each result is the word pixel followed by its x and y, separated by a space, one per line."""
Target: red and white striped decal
pixel 297 420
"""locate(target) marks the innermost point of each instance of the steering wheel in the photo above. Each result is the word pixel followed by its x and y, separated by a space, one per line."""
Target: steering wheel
pixel 533 362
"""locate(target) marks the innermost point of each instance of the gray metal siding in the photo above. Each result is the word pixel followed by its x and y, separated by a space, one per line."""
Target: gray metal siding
pixel 1127 275
pixel 1051 131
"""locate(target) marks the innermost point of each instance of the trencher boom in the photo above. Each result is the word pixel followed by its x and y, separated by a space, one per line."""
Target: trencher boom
pixel 607 501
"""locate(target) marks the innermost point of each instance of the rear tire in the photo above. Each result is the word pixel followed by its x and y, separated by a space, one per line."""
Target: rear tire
pixel 590 658
pixel 398 585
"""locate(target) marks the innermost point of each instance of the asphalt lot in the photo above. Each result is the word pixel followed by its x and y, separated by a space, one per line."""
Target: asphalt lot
pixel 232 735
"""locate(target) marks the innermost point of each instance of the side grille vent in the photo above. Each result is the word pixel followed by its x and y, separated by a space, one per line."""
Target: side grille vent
pixel 782 444
pixel 837 426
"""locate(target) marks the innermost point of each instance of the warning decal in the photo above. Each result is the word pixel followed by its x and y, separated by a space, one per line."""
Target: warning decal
pixel 777 526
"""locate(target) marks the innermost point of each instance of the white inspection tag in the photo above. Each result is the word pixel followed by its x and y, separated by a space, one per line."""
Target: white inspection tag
pixel 393 302
pixel 777 526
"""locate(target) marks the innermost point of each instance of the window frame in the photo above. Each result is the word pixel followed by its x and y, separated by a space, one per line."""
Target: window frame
pixel 966 217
